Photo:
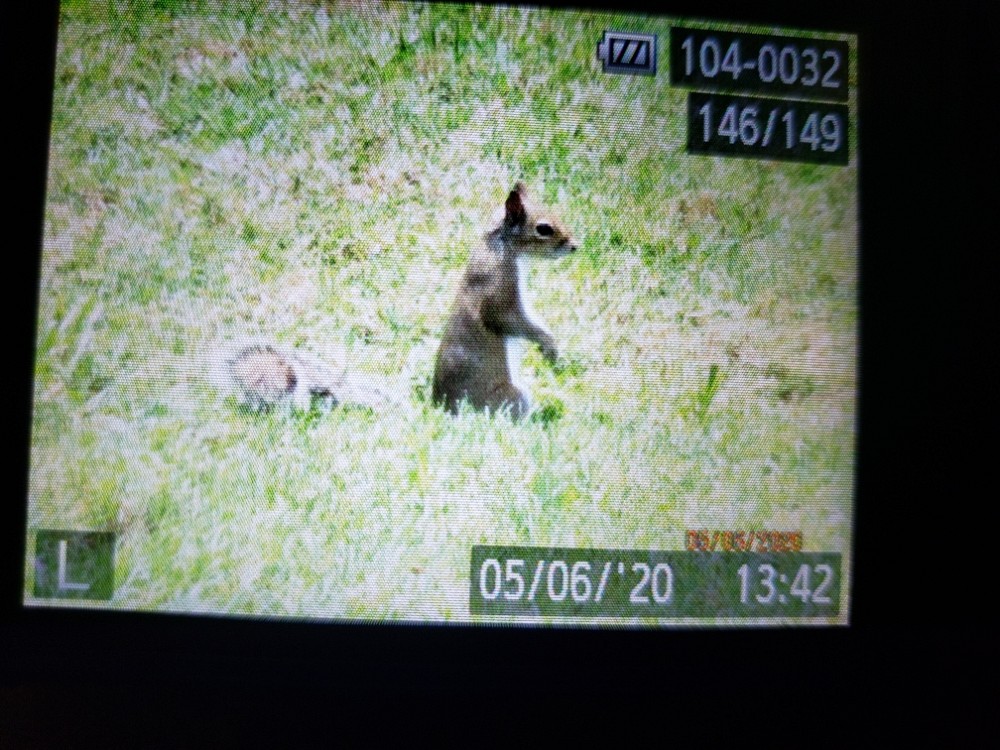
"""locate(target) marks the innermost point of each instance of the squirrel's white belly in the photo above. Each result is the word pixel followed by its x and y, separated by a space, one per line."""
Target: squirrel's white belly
pixel 515 353
pixel 515 345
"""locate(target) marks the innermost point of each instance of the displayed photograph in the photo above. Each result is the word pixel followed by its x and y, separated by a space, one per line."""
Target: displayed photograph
pixel 414 312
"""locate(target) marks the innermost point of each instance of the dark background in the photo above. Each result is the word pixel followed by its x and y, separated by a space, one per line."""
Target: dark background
pixel 917 651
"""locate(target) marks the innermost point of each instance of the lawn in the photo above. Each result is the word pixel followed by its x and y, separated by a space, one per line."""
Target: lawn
pixel 316 175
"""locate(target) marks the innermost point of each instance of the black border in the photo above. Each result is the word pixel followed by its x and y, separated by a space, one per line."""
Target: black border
pixel 918 616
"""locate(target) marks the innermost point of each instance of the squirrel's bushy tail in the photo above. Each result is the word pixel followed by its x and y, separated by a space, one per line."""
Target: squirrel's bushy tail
pixel 268 376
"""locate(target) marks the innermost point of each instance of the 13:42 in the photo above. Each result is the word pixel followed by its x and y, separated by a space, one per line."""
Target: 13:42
pixel 767 585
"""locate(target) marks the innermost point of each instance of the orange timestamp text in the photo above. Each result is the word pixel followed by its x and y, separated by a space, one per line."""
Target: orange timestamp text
pixel 705 540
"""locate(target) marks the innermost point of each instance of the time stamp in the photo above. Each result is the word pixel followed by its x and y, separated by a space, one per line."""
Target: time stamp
pixel 697 582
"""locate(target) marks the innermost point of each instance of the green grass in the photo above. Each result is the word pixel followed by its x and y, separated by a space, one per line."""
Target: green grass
pixel 316 176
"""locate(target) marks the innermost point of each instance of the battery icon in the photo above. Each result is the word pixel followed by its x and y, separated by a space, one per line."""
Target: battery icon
pixel 621 52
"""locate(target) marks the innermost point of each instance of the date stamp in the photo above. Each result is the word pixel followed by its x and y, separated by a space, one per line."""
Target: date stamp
pixel 566 582
pixel 704 540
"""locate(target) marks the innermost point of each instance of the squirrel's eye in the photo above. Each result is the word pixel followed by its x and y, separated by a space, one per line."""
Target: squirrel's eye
pixel 545 230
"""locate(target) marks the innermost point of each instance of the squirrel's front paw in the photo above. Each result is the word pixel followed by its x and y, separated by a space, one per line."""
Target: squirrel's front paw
pixel 549 350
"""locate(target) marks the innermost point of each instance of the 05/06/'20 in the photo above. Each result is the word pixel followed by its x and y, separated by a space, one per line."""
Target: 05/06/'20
pixel 556 580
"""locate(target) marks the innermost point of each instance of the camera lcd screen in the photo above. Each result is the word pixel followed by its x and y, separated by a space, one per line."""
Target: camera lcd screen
pixel 443 313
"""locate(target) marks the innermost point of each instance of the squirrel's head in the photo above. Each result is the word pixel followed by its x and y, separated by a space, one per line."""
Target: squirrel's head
pixel 530 229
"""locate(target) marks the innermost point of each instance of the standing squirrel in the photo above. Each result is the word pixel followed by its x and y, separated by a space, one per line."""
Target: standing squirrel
pixel 472 361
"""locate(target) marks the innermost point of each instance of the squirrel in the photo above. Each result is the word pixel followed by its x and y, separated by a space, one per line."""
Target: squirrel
pixel 489 310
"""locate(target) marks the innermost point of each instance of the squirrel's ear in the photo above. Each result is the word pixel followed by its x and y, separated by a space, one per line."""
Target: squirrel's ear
pixel 515 206
pixel 520 189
